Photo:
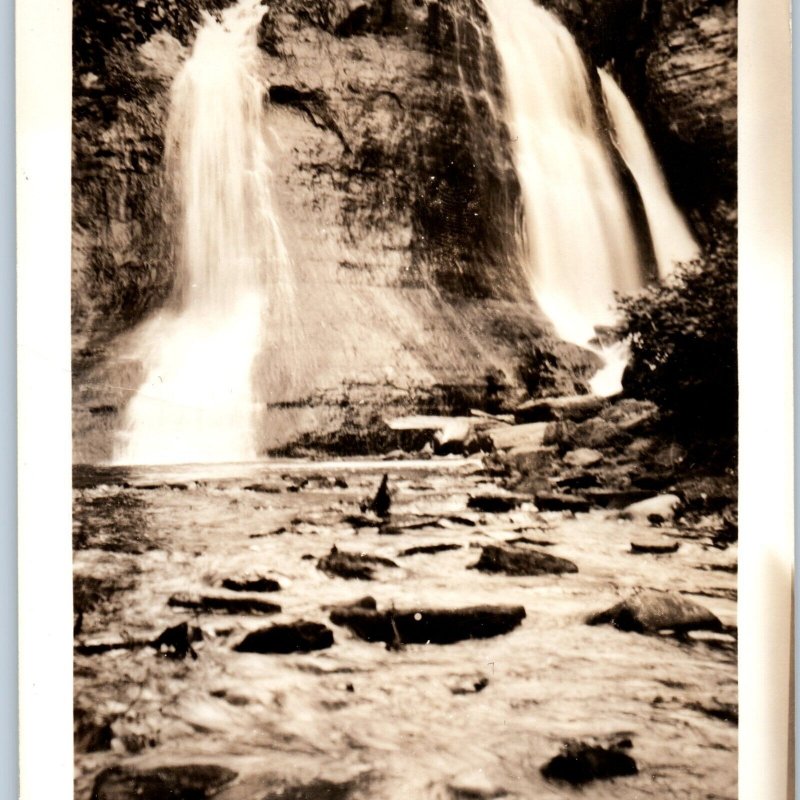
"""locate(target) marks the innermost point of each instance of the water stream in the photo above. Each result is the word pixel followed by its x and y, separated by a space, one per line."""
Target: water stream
pixel 577 244
pixel 235 282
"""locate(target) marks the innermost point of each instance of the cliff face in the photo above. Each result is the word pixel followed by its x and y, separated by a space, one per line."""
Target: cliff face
pixel 392 165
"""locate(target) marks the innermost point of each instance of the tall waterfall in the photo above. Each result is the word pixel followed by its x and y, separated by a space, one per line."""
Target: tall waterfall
pixel 577 245
pixel 234 275
pixel 672 241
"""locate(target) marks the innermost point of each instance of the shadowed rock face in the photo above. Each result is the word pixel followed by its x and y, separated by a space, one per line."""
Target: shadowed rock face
pixel 438 626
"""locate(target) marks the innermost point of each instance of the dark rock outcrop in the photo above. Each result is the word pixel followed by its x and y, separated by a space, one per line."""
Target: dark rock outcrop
pixel 178 782
pixel 652 611
pixel 437 626
pixel 521 561
pixel 251 584
pixel 496 503
pixel 581 763
pixel 559 501
pixel 295 637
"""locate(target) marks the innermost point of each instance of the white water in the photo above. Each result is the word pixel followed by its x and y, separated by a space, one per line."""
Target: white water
pixel 234 275
pixel 672 241
pixel 577 244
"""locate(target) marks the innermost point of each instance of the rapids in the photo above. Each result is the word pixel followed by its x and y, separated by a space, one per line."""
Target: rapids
pixel 144 534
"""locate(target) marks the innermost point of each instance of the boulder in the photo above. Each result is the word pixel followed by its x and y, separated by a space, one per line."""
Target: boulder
pixel 506 437
pixel 631 415
pixel 496 503
pixel 437 626
pixel 650 611
pixel 660 508
pixel 583 457
pixel 654 546
pixel 521 561
pixel 359 566
pixel 581 763
pixel 596 432
pixel 558 501
pixel 223 604
pixel 453 437
pixel 575 407
pixel 296 637
pixel 474 786
pixel 176 782
pixel 255 583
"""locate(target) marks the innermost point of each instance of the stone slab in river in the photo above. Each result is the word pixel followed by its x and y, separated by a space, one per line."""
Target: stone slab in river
pixel 652 611
pixel 521 561
pixel 179 782
pixel 438 626
pixel 296 637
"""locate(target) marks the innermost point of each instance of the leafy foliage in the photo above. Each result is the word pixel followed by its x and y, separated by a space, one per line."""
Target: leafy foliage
pixel 684 353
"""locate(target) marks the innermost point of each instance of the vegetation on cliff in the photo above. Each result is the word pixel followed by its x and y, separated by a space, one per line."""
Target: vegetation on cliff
pixel 684 355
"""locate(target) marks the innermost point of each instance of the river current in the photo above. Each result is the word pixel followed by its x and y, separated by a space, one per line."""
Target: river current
pixel 375 722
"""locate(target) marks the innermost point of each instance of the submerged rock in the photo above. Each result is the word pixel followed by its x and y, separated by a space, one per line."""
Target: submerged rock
pixel 319 789
pixel 233 604
pixel 179 782
pixel 359 566
pixel 513 561
pixel 295 637
pixel 437 626
pixel 581 763
pixel 251 584
pixel 651 611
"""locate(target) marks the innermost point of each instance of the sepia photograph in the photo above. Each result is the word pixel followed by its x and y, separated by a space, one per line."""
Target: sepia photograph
pixel 405 395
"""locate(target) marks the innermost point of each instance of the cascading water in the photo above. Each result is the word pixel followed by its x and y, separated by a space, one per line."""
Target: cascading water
pixel 234 276
pixel 672 241
pixel 577 245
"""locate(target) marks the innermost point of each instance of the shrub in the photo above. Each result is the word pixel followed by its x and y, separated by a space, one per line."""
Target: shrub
pixel 684 354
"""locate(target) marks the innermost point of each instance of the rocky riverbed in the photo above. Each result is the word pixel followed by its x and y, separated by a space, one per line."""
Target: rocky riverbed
pixel 524 700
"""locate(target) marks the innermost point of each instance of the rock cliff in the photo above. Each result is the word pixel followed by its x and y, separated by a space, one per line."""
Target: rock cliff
pixel 392 167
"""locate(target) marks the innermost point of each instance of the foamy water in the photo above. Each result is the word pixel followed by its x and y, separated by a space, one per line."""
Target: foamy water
pixel 235 281
pixel 401 726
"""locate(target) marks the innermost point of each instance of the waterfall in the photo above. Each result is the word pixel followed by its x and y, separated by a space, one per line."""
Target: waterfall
pixel 577 243
pixel 672 241
pixel 234 275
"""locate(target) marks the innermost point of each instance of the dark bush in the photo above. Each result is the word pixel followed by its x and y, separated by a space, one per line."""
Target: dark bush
pixel 684 353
